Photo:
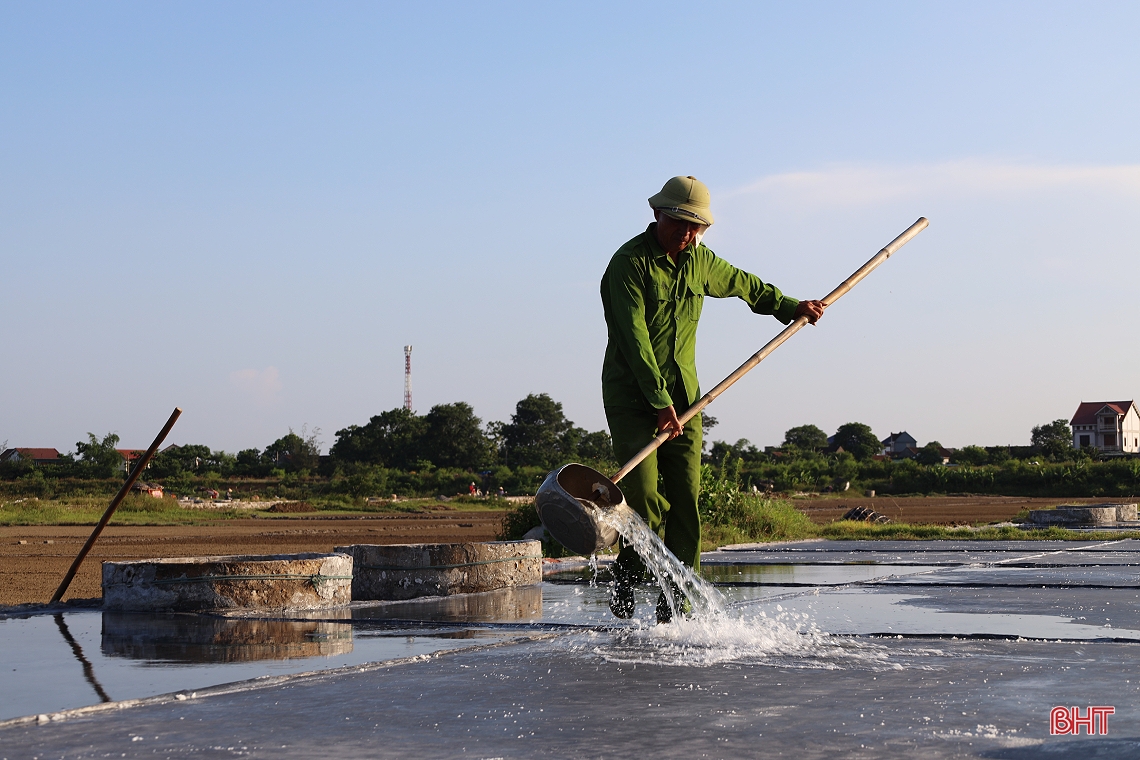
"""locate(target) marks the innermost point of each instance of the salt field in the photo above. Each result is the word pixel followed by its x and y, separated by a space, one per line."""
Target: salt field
pixel 858 649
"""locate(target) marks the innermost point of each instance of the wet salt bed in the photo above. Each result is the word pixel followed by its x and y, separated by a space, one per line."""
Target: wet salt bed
pixel 942 552
pixel 117 657
pixel 1117 576
pixel 821 649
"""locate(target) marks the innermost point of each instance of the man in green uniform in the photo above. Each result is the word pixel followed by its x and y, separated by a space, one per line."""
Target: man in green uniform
pixel 652 294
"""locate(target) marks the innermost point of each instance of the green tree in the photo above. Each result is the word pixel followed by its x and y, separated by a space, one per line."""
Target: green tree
pixel 844 468
pixel 998 454
pixel 539 435
pixel 857 438
pixel 454 437
pixel 970 455
pixel 360 480
pixel 930 454
pixel 596 446
pixel 1054 440
pixel 392 439
pixel 806 438
pixel 743 450
pixel 223 462
pixel 175 460
pixel 100 459
pixel 251 463
pixel 293 452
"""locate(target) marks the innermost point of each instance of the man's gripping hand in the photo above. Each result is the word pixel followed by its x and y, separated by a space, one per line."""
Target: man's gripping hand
pixel 813 310
pixel 667 420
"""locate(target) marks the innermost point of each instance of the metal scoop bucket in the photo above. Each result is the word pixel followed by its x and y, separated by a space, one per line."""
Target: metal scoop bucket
pixel 571 498
pixel 569 502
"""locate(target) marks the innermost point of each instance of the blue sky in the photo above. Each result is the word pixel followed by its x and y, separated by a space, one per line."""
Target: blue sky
pixel 247 210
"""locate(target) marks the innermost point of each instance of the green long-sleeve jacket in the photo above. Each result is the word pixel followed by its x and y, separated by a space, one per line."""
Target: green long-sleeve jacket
pixel 652 306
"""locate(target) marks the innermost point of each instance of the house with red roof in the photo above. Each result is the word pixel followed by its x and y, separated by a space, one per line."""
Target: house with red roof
pixel 36 456
pixel 1111 427
pixel 129 456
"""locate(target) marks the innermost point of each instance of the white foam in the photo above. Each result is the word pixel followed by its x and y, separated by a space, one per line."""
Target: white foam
pixel 788 640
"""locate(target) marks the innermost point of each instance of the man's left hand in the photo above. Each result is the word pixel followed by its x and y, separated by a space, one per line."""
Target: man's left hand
pixel 667 420
pixel 813 310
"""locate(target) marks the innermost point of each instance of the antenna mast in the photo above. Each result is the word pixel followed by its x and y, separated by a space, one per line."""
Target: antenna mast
pixel 408 378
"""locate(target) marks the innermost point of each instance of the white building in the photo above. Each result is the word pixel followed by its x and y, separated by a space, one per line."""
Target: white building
pixel 1111 427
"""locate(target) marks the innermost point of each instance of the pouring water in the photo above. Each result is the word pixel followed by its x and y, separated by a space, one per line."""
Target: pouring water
pixel 669 571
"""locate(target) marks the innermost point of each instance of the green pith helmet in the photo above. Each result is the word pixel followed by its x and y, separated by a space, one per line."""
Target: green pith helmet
pixel 684 198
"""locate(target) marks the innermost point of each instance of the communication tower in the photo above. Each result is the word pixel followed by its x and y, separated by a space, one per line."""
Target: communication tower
pixel 408 378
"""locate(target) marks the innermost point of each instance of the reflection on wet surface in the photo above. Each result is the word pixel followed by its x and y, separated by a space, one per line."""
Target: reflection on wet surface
pixel 186 637
pixel 806 575
pixel 88 669
pixel 506 605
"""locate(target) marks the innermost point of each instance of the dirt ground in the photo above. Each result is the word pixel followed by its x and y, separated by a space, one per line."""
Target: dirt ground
pixel 31 571
pixel 931 510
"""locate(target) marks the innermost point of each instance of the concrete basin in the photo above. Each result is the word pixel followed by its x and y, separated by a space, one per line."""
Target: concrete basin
pixel 407 571
pixel 185 584
pixel 1085 514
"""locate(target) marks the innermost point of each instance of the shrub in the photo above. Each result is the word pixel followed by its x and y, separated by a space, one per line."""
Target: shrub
pixel 731 515
pixel 359 480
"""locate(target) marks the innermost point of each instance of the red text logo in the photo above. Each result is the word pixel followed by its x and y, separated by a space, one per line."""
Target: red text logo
pixel 1068 720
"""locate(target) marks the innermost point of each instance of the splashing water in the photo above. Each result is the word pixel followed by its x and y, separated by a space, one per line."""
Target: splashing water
pixel 784 640
pixel 706 601
pixel 709 634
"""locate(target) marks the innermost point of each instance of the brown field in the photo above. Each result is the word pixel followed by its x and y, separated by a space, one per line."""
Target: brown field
pixel 30 572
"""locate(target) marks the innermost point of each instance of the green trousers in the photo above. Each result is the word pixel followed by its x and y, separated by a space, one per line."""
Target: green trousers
pixel 668 504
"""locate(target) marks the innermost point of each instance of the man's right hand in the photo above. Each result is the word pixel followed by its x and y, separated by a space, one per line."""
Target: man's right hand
pixel 667 420
pixel 813 310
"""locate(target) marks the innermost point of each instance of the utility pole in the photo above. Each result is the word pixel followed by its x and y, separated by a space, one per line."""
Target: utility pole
pixel 408 378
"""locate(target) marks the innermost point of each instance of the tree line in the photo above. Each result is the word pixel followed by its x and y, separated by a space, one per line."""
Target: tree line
pixel 1048 466
pixel 449 447
pixel 449 436
pixel 1051 442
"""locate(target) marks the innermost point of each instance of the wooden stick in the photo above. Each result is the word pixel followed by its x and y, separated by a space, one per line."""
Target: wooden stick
pixel 135 472
pixel 775 343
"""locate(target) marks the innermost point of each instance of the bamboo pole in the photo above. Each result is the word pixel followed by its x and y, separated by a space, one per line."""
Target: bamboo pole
pixel 106 518
pixel 776 342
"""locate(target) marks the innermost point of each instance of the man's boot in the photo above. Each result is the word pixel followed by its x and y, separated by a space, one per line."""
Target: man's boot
pixel 680 601
pixel 622 599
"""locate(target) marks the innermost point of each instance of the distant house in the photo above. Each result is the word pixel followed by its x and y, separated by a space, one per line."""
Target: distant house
pixel 36 456
pixel 150 489
pixel 1111 427
pixel 900 445
pixel 129 456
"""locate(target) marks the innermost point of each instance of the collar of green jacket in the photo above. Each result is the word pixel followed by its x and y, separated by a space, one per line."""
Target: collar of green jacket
pixel 652 306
